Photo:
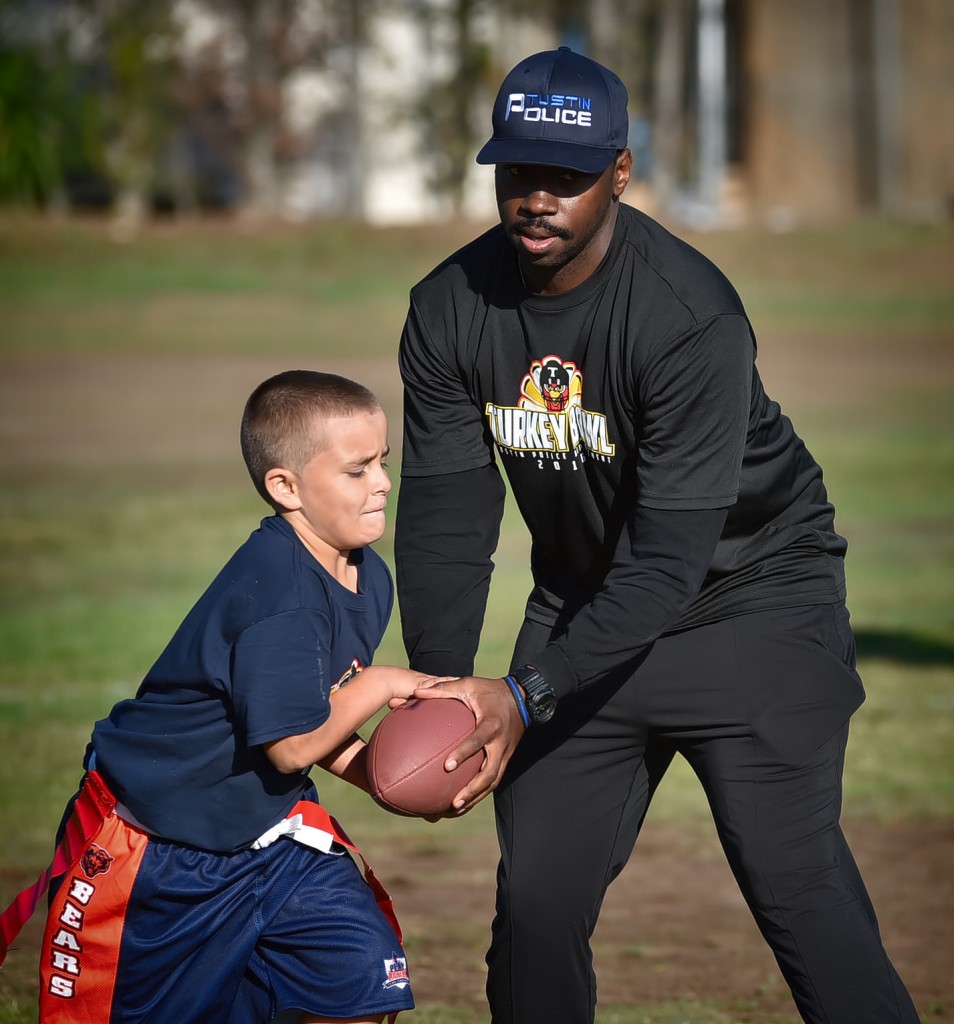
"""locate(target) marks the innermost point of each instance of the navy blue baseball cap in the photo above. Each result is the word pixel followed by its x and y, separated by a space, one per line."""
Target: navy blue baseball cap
pixel 561 109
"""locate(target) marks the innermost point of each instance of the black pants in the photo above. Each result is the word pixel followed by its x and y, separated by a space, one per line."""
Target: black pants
pixel 759 706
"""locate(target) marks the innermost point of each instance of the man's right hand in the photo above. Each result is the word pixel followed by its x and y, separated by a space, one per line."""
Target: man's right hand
pixel 499 729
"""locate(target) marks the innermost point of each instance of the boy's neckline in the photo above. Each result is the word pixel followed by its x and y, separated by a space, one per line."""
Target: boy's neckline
pixel 344 571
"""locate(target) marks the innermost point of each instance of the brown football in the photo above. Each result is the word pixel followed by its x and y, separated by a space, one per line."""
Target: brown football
pixel 407 751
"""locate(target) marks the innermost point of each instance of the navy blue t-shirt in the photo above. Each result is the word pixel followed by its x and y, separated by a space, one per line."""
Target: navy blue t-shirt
pixel 254 661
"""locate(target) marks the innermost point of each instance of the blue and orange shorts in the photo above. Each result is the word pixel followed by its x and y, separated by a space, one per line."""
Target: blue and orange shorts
pixel 144 929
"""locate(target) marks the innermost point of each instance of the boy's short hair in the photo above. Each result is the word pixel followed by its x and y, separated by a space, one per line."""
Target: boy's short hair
pixel 278 425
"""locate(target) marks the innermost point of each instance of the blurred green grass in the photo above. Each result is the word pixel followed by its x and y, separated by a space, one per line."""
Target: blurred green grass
pixel 122 373
pixel 209 288
pixel 69 287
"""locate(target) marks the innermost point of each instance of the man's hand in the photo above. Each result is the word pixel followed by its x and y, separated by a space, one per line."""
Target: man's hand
pixel 499 729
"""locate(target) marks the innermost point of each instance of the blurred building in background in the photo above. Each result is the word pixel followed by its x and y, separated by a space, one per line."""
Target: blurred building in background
pixel 743 111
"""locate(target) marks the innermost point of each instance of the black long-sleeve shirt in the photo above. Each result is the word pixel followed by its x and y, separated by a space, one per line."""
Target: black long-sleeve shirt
pixel 661 486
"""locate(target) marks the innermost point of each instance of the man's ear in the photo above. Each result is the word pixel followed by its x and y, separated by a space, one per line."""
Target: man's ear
pixel 622 171
pixel 282 487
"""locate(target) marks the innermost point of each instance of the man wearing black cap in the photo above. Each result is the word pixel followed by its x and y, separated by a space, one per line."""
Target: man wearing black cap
pixel 688 580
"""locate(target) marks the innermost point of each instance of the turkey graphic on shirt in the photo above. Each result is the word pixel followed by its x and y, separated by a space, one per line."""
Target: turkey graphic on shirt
pixel 549 421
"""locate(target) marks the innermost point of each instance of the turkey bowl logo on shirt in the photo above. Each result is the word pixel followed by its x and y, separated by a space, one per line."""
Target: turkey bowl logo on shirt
pixel 549 420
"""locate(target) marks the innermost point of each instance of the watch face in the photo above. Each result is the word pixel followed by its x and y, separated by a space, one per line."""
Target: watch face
pixel 541 701
pixel 542 707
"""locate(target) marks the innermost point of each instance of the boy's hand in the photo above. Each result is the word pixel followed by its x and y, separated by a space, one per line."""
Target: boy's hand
pixel 398 683
pixel 499 729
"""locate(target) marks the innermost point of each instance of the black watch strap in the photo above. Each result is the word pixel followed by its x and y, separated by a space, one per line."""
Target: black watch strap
pixel 540 700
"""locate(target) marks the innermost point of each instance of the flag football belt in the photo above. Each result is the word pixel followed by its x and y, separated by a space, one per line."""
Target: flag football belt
pixel 311 825
pixel 308 823
pixel 90 808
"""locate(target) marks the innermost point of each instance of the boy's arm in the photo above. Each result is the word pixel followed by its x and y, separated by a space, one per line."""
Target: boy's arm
pixel 349 762
pixel 351 707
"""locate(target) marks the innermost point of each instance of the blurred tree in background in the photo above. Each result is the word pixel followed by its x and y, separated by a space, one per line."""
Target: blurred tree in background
pixel 131 63
pixel 170 103
pixel 45 119
pixel 29 155
pixel 446 108
pixel 87 101
pixel 236 84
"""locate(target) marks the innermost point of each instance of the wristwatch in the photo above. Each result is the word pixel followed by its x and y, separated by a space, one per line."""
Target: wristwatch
pixel 540 699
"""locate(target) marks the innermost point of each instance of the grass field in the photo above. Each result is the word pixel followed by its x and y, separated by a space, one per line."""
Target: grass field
pixel 123 370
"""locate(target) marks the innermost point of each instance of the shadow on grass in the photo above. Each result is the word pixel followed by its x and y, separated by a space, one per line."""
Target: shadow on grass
pixel 909 648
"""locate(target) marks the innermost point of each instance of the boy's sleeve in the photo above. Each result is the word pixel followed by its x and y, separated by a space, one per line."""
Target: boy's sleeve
pixel 279 672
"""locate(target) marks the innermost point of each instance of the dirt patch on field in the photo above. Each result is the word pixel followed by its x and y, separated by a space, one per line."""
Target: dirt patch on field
pixel 675 927
pixel 92 409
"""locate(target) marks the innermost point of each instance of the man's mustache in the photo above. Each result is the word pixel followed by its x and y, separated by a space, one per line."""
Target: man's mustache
pixel 539 224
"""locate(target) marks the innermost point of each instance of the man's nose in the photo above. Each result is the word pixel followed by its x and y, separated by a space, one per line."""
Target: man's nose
pixel 539 201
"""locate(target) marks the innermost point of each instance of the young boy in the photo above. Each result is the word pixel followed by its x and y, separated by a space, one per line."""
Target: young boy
pixel 187 898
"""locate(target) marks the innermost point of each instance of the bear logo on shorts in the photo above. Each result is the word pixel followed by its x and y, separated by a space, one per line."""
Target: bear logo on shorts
pixel 95 861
